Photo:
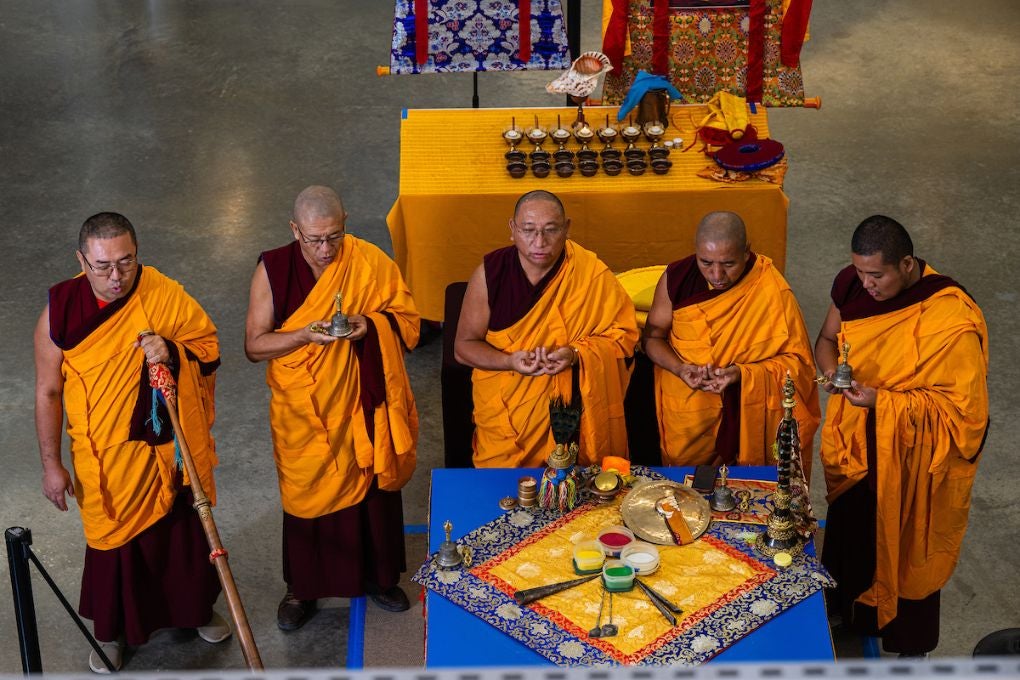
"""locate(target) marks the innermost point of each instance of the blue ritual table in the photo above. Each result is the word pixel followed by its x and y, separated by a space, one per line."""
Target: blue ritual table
pixel 455 637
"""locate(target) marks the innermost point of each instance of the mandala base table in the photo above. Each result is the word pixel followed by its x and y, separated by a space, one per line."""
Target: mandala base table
pixel 455 637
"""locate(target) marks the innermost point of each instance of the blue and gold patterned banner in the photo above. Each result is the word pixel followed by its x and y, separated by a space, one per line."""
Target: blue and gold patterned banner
pixel 725 588
pixel 477 35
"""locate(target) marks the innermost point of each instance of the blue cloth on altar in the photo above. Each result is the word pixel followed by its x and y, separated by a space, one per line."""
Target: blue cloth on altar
pixel 644 82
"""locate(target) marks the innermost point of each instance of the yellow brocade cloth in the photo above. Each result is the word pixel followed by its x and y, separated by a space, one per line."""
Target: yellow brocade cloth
pixel 929 363
pixel 756 325
pixel 325 459
pixel 123 486
pixel 583 306
pixel 456 197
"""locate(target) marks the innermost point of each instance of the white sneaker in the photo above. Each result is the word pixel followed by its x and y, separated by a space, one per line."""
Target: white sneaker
pixel 113 650
pixel 217 630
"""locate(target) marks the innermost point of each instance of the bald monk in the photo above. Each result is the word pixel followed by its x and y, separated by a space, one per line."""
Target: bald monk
pixel 146 564
pixel 723 331
pixel 542 319
pixel 900 446
pixel 344 422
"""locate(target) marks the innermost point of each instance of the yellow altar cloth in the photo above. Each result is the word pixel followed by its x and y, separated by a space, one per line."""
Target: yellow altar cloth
pixel 456 197
pixel 699 578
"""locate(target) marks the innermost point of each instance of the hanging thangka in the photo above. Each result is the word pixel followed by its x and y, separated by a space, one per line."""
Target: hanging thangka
pixel 456 36
pixel 750 48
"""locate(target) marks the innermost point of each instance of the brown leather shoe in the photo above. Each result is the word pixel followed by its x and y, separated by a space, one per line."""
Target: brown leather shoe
pixel 293 613
pixel 392 599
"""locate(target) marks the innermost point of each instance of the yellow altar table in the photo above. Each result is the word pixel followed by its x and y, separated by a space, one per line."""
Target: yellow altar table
pixel 456 198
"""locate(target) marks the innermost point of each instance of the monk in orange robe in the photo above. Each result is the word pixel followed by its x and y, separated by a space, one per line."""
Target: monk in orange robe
pixel 900 446
pixel 344 421
pixel 146 564
pixel 723 331
pixel 545 319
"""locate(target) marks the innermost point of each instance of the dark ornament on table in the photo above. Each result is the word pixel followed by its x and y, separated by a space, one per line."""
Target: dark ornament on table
pixel 560 481
pixel 790 523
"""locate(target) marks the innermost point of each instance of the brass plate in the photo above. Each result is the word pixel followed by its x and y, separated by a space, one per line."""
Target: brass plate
pixel 640 516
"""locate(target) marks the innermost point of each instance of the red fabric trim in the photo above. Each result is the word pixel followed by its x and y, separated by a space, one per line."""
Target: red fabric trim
pixel 795 24
pixel 660 38
pixel 614 43
pixel 421 31
pixel 524 18
pixel 755 50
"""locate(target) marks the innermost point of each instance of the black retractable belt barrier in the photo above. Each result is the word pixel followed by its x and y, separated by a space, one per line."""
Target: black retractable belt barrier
pixel 19 554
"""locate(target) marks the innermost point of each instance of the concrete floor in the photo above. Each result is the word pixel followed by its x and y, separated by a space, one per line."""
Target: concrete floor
pixel 202 120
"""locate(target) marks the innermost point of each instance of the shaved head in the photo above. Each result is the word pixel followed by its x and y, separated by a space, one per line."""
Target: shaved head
pixel 317 202
pixel 721 227
pixel 539 195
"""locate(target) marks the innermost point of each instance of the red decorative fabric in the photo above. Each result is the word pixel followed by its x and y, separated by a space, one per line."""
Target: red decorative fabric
pixel 162 379
pixel 614 43
pixel 660 39
pixel 421 31
pixel 524 19
pixel 795 25
pixel 755 51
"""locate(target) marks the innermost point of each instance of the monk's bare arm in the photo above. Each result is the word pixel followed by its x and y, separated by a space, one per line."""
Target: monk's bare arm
pixel 261 341
pixel 470 347
pixel 655 342
pixel 49 414
pixel 827 347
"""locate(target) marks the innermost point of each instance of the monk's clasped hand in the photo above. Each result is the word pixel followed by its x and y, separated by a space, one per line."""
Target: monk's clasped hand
pixel 526 363
pixel 155 348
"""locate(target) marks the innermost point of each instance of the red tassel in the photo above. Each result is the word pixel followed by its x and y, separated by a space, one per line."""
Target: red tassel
pixel 755 51
pixel 524 18
pixel 421 31
pixel 660 38
pixel 795 24
pixel 615 41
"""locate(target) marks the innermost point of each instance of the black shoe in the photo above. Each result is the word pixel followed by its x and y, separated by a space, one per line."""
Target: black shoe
pixel 392 599
pixel 293 613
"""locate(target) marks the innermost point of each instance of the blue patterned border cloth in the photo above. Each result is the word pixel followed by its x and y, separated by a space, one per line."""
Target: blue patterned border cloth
pixel 479 35
pixel 708 637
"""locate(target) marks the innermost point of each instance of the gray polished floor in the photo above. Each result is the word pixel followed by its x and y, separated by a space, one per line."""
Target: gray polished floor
pixel 201 120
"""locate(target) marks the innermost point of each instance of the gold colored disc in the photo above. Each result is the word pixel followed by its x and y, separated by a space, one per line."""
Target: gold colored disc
pixel 641 517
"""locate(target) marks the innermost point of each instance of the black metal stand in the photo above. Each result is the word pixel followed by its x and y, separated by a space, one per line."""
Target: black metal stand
pixel 474 91
pixel 573 33
pixel 19 554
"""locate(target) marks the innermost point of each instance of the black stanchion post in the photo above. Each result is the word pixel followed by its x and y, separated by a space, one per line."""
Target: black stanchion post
pixel 18 541
pixel 573 34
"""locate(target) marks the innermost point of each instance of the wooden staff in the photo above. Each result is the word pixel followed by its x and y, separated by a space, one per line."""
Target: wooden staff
pixel 162 379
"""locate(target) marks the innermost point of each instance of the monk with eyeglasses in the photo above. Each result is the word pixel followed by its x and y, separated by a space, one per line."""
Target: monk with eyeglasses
pixel 544 319
pixel 343 419
pixel 146 560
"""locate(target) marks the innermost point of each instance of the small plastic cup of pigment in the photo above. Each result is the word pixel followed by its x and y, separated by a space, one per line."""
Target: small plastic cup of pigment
pixel 588 557
pixel 617 576
pixel 615 538
pixel 643 557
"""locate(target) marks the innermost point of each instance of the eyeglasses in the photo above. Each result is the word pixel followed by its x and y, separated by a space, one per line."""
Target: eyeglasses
pixel 105 269
pixel 549 233
pixel 331 240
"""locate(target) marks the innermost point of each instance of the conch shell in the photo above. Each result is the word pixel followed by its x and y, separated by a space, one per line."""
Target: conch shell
pixel 582 77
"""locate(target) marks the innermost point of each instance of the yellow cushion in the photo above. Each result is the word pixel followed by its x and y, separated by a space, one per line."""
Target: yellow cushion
pixel 640 284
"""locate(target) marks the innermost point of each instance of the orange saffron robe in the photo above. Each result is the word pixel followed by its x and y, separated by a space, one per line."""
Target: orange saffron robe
pixel 756 325
pixel 123 486
pixel 585 306
pixel 325 458
pixel 929 362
